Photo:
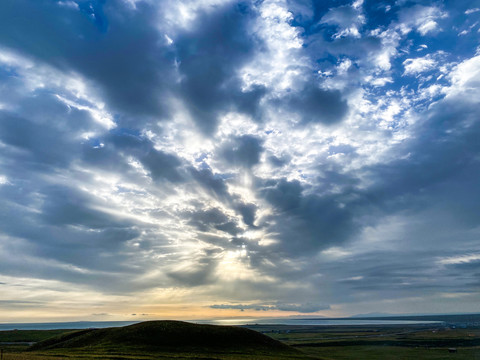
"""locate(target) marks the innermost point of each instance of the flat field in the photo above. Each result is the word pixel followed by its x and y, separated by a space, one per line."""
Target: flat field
pixel 21 353
pixel 396 342
pixel 146 356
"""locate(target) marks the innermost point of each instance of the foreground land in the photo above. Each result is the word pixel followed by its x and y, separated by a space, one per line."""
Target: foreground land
pixel 148 340
pixel 416 342
pixel 396 342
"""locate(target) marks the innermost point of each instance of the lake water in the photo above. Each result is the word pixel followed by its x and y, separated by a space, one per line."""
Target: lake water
pixel 280 321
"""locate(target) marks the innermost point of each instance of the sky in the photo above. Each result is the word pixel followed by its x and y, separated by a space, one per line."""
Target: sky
pixel 199 159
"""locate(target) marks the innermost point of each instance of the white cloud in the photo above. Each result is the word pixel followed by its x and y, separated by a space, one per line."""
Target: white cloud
pixel 418 65
pixel 69 4
pixel 471 11
pixel 282 64
pixel 349 20
pixel 465 79
pixel 461 259
pixel 70 88
pixel 335 253
pixel 4 180
pixel 183 13
pixel 421 18
pixel 390 40
pixel 427 26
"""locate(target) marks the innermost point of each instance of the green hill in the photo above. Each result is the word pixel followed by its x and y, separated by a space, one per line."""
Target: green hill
pixel 171 336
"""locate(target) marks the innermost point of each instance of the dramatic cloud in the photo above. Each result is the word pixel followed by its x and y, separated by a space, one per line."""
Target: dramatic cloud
pixel 211 158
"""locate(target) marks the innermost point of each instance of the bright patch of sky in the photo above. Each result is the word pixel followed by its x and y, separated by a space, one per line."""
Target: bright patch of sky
pixel 268 158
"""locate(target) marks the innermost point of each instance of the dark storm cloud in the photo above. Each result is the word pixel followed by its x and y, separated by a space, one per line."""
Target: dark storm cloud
pixel 210 55
pixel 124 58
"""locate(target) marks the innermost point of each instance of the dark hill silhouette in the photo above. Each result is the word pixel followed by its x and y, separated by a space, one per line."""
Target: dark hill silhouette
pixel 167 335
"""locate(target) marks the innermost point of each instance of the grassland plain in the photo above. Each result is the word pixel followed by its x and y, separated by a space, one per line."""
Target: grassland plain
pixel 405 342
pixel 416 342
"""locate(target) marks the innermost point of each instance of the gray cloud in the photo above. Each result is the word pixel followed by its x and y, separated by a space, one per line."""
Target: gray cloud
pixel 243 151
pixel 315 105
pixel 213 183
pixel 21 304
pixel 248 212
pixel 278 162
pixel 202 272
pixel 121 52
pixel 209 55
pixel 105 183
pixel 343 16
pixel 208 219
pixel 302 308
pixel 242 307
pixel 307 221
